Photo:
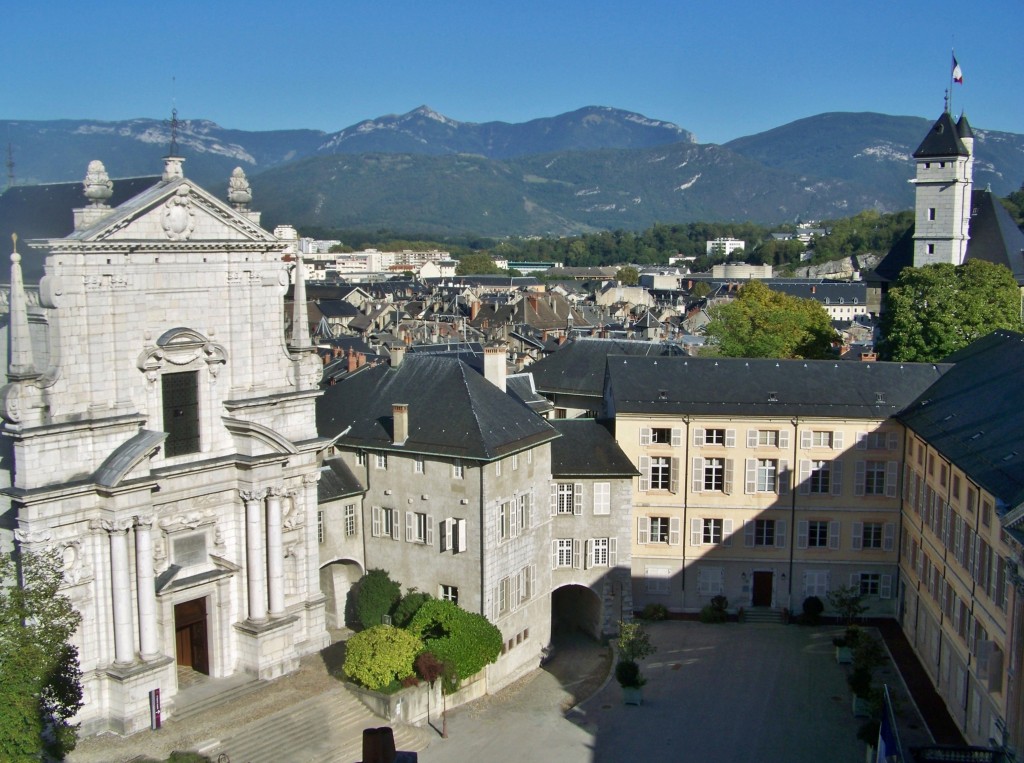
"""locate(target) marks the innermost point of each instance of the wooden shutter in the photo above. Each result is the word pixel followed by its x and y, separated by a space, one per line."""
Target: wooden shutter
pixel 885 587
pixel 889 536
pixel 697 475
pixel 751 438
pixel 459 541
pixel 783 439
pixel 613 552
pixel 892 472
pixel 430 530
pixel 806 439
pixel 643 530
pixel 394 523
pixel 673 531
pixel 780 533
pixel 554 499
pixel 837 477
pixel 446 534
pixel 589 555
pixel 730 438
pixel 673 476
pixel 677 437
pixel 837 441
pixel 577 554
pixel 833 535
pixel 858 480
pixel 577 499
pixel 805 477
pixel 727 482
pixel 750 484
pixel 698 437
pixel 726 532
pixel 696 531
pixel 862 440
pixel 645 474
pixel 857 539
pixel 554 554
pixel 748 533
pixel 375 521
pixel 645 435
pixel 782 477
pixel 802 530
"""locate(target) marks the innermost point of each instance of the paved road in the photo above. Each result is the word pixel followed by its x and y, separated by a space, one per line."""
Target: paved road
pixel 714 693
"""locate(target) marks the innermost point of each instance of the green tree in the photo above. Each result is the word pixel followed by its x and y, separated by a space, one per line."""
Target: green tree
pixel 381 654
pixel 477 264
pixel 376 596
pixel 847 601
pixel 465 639
pixel 40 681
pixel 761 323
pixel 628 276
pixel 935 310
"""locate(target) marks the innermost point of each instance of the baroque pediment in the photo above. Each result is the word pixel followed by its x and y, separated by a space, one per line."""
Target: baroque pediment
pixel 174 212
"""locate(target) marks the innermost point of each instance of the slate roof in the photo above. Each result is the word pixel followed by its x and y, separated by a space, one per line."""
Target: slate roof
pixel 764 387
pixel 522 387
pixel 337 481
pixel 973 414
pixel 994 237
pixel 47 211
pixel 823 291
pixel 578 366
pixel 942 140
pixel 587 449
pixel 453 411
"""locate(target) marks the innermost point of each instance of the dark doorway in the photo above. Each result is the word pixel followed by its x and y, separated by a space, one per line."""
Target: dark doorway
pixel 190 635
pixel 575 607
pixel 762 590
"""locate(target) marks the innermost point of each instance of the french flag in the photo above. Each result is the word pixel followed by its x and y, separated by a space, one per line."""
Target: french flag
pixel 958 75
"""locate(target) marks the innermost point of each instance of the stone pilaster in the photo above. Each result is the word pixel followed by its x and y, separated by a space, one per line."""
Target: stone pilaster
pixel 255 554
pixel 149 648
pixel 121 590
pixel 275 552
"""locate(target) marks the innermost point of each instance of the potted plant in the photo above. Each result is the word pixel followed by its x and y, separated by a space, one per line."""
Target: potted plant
pixel 634 644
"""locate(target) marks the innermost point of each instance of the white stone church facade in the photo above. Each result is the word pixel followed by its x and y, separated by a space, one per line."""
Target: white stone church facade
pixel 159 433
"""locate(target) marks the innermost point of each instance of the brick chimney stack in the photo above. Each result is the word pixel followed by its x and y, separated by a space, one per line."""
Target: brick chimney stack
pixel 400 414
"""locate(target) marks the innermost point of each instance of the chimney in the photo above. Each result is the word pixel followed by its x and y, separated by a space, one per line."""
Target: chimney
pixel 474 310
pixel 495 366
pixel 400 415
pixel 397 356
pixel 868 357
pixel 814 289
pixel 351 360
pixel 360 360
pixel 338 352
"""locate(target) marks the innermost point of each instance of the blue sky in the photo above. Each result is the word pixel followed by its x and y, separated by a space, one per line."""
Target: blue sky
pixel 719 69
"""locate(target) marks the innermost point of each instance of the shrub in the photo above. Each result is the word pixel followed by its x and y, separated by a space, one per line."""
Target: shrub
pixel 464 639
pixel 868 652
pixel 847 601
pixel 627 673
pixel 376 597
pixel 812 609
pixel 654 612
pixel 719 602
pixel 408 607
pixel 379 655
pixel 634 642
pixel 860 681
pixel 712 614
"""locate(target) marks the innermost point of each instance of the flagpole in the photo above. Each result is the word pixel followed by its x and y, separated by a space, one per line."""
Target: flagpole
pixel 952 66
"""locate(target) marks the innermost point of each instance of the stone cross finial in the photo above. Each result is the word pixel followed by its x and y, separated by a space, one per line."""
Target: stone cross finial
pixel 239 190
pixel 98 185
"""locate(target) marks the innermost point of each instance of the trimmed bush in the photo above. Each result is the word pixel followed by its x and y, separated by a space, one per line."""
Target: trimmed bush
pixel 408 607
pixel 627 673
pixel 654 612
pixel 379 655
pixel 377 596
pixel 465 640
pixel 715 611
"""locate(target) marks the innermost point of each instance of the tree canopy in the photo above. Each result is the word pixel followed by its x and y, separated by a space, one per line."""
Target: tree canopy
pixel 477 264
pixel 933 311
pixel 465 639
pixel 40 681
pixel 628 276
pixel 381 654
pixel 761 323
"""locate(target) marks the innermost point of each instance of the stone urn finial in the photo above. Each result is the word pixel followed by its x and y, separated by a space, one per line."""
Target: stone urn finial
pixel 97 184
pixel 239 190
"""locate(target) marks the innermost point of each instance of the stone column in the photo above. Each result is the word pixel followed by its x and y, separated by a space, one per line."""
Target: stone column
pixel 255 554
pixel 275 552
pixel 149 648
pixel 121 589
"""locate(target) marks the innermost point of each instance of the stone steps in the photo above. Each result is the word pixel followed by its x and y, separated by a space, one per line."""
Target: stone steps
pixel 325 728
pixel 763 615
pixel 198 708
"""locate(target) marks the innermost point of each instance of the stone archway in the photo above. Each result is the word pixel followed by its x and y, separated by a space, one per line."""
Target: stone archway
pixel 576 607
pixel 336 581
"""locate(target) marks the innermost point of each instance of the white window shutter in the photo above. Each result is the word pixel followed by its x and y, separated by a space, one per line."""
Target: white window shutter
pixel 673 531
pixel 677 437
pixel 837 441
pixel 446 534
pixel 806 438
pixel 730 438
pixel 643 530
pixel 857 539
pixel 394 524
pixel 430 530
pixel 807 584
pixel 554 554
pixel 645 435
pixel 673 477
pixel 645 474
pixel 751 438
pixel 802 530
pixel 885 588
pixel 727 482
pixel 805 477
pixel 858 480
pixel 894 440
pixel 589 547
pixel 780 533
pixel 833 535
pixel 698 437
pixel 577 554
pixel 697 475
pixel 892 471
pixel 783 439
pixel 750 484
pixel 855 580
pixel 459 541
pixel 554 499
pixel 613 552
pixel 577 499
pixel 837 477
pixel 696 531
pixel 889 536
pixel 782 478
pixel 375 521
pixel 862 440
pixel 726 532
pixel 748 533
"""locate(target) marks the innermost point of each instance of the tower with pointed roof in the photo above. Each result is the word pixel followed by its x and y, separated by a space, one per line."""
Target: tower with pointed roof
pixel 945 166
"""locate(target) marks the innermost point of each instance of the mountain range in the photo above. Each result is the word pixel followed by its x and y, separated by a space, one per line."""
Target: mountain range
pixel 590 169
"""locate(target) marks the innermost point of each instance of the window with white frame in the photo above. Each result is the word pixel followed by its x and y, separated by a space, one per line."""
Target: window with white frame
pixel 349 519
pixel 361 458
pixel 419 527
pixel 767 475
pixel 602 498
pixel 714 474
pixel 821 439
pixel 565 498
pixel 714 437
pixel 457 469
pixel 874 477
pixel 598 552
pixel 384 522
pixel 817 534
pixel 870 583
pixel 711 531
pixel 659 529
pixel 816 583
pixel 504 520
pixel 453 535
pixel 449 593
pixel 521 519
pixel 820 479
pixel 563 548
pixel 656 579
pixel 661 473
pixel 764 532
pixel 661 436
pixel 417 465
pixel 381 460
pixel 768 438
